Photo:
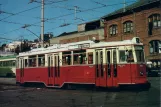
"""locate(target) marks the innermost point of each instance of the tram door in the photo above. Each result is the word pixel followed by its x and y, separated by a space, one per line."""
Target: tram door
pixel 50 70
pixel 21 70
pixel 56 70
pixel 100 74
pixel 111 67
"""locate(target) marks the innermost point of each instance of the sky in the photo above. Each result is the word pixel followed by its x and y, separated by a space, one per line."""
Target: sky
pixel 14 14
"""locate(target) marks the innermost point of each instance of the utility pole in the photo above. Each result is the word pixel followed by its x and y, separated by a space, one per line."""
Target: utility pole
pixel 0 9
pixel 42 22
pixel 75 11
pixel 124 6
pixel 21 38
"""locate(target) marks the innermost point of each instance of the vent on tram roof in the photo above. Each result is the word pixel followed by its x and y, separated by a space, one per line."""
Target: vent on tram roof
pixel 136 40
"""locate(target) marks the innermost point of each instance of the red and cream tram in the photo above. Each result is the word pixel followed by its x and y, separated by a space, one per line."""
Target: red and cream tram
pixel 103 64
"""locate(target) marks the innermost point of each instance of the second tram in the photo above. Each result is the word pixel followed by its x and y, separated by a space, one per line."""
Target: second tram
pixel 8 66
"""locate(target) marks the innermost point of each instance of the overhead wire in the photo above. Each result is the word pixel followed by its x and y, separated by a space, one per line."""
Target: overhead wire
pixel 13 14
pixel 19 13
pixel 47 19
pixel 64 14
pixel 22 12
pixel 7 38
pixel 18 23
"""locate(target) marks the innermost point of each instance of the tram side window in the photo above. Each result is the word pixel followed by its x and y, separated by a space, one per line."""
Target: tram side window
pixel 5 63
pixel 1 64
pixel 79 57
pixel 122 57
pixel 114 57
pixel 130 57
pixel 126 56
pixel 13 63
pixel 32 61
pixel 41 60
pixel 90 58
pixel 66 57
pixel 26 63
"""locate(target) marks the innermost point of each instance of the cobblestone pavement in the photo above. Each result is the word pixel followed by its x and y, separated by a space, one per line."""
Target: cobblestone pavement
pixel 16 96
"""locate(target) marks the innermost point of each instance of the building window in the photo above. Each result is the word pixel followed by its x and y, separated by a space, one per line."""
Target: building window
pixel 153 22
pixel 155 46
pixel 128 27
pixel 113 30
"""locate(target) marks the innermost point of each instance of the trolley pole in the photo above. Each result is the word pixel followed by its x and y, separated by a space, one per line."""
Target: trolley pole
pixel 42 22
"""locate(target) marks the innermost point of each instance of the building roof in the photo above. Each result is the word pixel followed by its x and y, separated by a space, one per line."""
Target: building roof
pixel 133 7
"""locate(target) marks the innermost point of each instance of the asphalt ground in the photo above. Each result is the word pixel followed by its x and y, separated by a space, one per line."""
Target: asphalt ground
pixel 17 96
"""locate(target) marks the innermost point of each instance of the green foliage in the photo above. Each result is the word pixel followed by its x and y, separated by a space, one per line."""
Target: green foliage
pixel 6 72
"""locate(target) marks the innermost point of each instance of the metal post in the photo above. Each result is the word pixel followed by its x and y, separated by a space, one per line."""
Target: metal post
pixel 21 44
pixel 75 11
pixel 124 6
pixel 42 23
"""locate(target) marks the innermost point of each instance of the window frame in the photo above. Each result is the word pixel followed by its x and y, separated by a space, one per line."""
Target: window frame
pixel 128 27
pixel 33 60
pixel 155 19
pixel 66 54
pixel 81 54
pixel 113 30
pixel 154 46
pixel 41 58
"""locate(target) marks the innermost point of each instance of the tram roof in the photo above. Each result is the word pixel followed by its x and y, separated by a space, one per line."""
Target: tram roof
pixel 78 45
pixel 10 57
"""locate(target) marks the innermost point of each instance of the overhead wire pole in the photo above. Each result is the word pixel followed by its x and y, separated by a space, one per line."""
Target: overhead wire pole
pixel 42 22
pixel 124 5
pixel 75 11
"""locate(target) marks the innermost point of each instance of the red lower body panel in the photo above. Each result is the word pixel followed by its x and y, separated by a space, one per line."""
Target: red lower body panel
pixel 84 74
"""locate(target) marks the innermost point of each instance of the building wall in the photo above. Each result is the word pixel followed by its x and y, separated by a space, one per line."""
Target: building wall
pixel 80 36
pixel 140 24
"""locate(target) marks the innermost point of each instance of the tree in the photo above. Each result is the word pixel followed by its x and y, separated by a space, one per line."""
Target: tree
pixel 25 46
pixel 17 50
pixel 3 46
pixel 36 40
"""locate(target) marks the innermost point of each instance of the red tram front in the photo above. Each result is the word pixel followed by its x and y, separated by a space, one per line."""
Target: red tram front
pixel 103 64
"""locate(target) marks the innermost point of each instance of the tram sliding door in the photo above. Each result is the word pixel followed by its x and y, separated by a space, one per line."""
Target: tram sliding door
pixel 21 70
pixel 50 71
pixel 111 60
pixel 56 70
pixel 100 74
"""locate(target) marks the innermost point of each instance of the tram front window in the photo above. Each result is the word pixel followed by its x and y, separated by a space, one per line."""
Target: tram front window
pixel 139 50
pixel 140 55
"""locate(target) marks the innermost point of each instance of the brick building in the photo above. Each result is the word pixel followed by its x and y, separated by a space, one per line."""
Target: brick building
pixel 141 19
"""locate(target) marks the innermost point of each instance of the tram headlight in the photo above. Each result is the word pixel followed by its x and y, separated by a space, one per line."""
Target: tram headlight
pixel 141 73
